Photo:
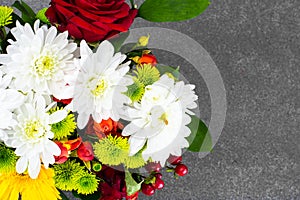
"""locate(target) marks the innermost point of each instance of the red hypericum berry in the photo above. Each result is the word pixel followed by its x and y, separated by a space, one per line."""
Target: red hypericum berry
pixel 158 175
pixel 159 184
pixel 133 196
pixel 153 166
pixel 175 160
pixel 148 189
pixel 181 170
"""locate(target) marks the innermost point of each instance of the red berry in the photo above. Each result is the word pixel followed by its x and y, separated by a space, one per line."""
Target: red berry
pixel 153 166
pixel 158 175
pixel 181 170
pixel 148 189
pixel 175 160
pixel 159 184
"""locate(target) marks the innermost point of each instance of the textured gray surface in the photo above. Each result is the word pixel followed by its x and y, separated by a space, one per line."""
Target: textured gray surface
pixel 256 45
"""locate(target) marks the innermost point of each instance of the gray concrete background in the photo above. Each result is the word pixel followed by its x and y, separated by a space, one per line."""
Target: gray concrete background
pixel 256 46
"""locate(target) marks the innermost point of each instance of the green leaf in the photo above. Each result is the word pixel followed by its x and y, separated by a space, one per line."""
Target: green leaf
pixel 131 185
pixel 200 138
pixel 117 41
pixel 62 195
pixel 168 69
pixel 41 15
pixel 171 10
pixel 27 13
pixel 95 196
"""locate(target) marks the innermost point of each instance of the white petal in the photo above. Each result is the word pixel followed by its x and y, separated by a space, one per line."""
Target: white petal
pixel 4 59
pixel 21 150
pixel 36 25
pixel 40 104
pixel 57 116
pixel 13 99
pixel 53 148
pixel 136 144
pixel 82 120
pixel 69 107
pixel 85 49
pixel 34 167
pixel 132 128
pixel 52 32
pixel 105 53
pixel 21 164
pixel 5 118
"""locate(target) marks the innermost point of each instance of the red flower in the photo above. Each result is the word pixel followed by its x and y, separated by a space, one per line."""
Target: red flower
pixel 148 59
pixel 113 187
pixel 91 20
pixel 63 157
pixel 64 101
pixel 106 126
pixel 109 193
pixel 72 144
pixel 85 151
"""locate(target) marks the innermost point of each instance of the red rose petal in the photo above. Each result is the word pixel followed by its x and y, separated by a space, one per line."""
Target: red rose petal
pixel 85 151
pixel 91 20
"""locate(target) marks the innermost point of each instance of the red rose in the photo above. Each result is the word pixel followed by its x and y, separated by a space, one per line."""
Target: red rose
pixel 91 20
pixel 85 151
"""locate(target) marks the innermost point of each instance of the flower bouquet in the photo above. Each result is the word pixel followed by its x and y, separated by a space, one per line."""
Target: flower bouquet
pixel 83 112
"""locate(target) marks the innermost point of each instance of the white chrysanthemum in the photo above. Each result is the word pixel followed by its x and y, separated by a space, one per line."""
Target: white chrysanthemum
pixel 9 100
pixel 160 120
pixel 101 83
pixel 40 59
pixel 31 135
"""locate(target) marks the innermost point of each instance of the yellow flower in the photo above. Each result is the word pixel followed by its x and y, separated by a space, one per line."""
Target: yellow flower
pixel 143 41
pixel 135 91
pixel 12 185
pixel 65 127
pixel 135 161
pixel 8 160
pixel 112 150
pixel 5 15
pixel 87 184
pixel 147 74
pixel 115 150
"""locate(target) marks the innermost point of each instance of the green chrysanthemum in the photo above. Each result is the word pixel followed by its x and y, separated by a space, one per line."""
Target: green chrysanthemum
pixel 135 161
pixel 41 15
pixel 147 74
pixel 65 127
pixel 66 175
pixel 112 150
pixel 136 91
pixel 8 160
pixel 5 15
pixel 87 184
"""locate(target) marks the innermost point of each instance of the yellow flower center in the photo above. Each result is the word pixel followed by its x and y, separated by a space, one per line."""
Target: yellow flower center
pixel 33 129
pixel 164 118
pixel 44 66
pixel 100 88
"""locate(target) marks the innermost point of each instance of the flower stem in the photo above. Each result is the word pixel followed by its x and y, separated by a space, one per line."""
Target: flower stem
pixel 132 3
pixel 2 37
